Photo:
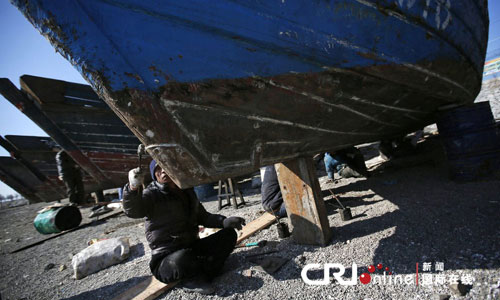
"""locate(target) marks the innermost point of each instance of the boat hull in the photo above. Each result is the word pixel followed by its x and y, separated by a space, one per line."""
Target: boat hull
pixel 216 89
pixel 81 124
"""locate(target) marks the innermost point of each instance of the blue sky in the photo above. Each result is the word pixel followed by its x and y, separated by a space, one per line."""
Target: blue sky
pixel 494 37
pixel 24 51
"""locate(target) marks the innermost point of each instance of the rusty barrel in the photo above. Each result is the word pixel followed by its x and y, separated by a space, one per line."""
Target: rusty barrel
pixel 472 142
pixel 57 219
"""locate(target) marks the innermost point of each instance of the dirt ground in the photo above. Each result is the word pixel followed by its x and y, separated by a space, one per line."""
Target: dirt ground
pixel 407 213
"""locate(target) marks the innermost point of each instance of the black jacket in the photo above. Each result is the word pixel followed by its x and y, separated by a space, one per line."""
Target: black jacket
pixel 66 166
pixel 172 217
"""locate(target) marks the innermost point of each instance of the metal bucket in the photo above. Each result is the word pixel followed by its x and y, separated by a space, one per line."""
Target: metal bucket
pixel 58 219
pixel 345 214
pixel 283 231
pixel 471 141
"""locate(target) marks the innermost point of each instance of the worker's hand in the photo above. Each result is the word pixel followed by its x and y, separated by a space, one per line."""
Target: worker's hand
pixel 234 222
pixel 135 178
pixel 60 178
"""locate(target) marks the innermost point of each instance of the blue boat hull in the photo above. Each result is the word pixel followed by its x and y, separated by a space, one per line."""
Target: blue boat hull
pixel 219 88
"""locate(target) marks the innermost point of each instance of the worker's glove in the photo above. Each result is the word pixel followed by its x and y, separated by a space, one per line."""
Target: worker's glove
pixel 233 222
pixel 135 178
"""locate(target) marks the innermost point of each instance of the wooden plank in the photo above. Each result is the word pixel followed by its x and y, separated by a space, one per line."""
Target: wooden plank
pixel 52 91
pixel 256 225
pixel 25 143
pixel 146 290
pixel 304 202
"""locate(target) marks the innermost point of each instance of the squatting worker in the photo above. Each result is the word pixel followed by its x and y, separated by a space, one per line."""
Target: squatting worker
pixel 172 219
pixel 70 174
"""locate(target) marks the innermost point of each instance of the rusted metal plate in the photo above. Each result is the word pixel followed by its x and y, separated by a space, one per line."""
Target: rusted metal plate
pixel 215 89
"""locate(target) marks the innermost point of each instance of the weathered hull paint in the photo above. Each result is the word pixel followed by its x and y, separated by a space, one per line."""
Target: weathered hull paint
pixel 218 88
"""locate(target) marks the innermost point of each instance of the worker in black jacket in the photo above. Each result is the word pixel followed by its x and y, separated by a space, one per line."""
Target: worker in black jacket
pixel 172 219
pixel 70 174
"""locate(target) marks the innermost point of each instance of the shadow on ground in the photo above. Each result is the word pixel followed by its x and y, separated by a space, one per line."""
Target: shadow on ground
pixel 437 220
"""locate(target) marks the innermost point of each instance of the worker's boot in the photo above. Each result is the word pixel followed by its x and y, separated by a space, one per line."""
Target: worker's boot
pixel 198 285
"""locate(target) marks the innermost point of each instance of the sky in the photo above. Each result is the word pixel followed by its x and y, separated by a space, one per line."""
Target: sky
pixel 24 51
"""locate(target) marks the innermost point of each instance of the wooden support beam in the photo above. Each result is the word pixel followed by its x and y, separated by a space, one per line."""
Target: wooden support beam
pixel 304 203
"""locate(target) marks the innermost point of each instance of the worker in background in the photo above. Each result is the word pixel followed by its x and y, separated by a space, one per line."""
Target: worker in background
pixel 70 173
pixel 272 199
pixel 347 163
pixel 172 219
pixel 400 146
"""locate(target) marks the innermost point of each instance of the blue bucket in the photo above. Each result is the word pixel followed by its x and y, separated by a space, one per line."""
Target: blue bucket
pixel 204 191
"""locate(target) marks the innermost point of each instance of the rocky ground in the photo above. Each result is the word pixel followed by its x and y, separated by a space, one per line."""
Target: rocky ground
pixel 407 212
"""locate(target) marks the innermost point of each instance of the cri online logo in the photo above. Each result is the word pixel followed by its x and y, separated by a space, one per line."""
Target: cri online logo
pixel 364 278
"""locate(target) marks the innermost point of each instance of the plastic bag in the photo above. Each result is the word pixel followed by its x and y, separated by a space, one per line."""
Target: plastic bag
pixel 100 255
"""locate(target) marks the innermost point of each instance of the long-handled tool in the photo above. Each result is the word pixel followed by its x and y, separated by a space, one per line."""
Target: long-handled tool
pixel 345 212
pixel 335 197
pixel 141 150
pixel 258 244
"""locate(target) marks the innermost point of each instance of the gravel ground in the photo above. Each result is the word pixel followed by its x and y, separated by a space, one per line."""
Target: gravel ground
pixel 407 212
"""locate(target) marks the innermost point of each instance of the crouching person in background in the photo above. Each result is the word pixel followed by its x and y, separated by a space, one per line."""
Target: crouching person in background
pixel 172 219
pixel 348 162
